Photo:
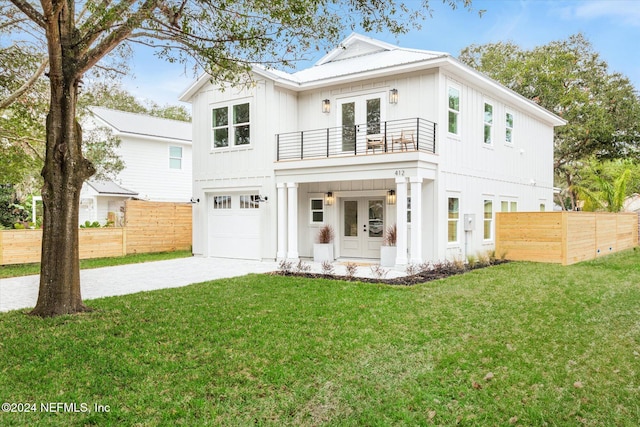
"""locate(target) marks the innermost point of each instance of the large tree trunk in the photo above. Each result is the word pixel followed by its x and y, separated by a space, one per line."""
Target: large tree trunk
pixel 64 171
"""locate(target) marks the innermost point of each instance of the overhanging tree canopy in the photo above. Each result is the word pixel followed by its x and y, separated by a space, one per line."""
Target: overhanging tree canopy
pixel 225 37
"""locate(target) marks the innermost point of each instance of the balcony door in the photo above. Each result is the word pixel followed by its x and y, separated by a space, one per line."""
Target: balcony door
pixel 362 227
pixel 358 117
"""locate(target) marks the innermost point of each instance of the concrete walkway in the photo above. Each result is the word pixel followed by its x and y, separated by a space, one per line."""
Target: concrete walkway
pixel 22 292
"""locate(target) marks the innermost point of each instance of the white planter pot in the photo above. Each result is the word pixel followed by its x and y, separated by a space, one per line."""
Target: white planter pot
pixel 323 252
pixel 388 256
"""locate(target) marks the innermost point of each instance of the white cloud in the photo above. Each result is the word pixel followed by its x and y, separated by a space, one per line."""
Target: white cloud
pixel 626 12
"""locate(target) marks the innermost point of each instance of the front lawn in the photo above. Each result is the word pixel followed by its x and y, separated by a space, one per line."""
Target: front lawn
pixel 517 344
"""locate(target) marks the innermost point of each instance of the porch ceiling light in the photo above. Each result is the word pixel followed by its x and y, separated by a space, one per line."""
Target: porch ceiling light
pixel 391 197
pixel 326 106
pixel 393 96
pixel 328 199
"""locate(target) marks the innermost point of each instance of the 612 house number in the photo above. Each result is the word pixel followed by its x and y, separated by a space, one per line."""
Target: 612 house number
pixel 400 172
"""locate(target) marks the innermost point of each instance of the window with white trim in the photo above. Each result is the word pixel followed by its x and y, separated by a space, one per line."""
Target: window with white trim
pixel 175 157
pixel 317 211
pixel 454 110
pixel 508 206
pixel 250 201
pixel 488 123
pixel 508 128
pixel 231 125
pixel 222 202
pixel 488 219
pixel 453 219
pixel 543 207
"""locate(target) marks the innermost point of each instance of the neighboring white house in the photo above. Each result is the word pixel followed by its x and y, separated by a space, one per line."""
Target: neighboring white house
pixel 157 157
pixel 372 135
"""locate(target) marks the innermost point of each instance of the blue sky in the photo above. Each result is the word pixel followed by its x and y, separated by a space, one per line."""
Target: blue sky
pixel 612 26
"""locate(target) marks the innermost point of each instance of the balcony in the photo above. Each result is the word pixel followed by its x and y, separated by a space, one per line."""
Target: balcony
pixel 413 134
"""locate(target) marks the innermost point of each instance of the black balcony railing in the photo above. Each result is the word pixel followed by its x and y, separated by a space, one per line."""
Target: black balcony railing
pixel 373 138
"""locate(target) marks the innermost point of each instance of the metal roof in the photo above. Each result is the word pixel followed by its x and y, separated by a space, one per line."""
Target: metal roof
pixel 144 125
pixel 110 187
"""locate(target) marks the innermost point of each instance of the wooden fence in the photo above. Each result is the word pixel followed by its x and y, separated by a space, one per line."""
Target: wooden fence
pixel 564 237
pixel 149 227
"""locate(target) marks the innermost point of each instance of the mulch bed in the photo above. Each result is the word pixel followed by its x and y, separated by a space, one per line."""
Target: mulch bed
pixel 439 271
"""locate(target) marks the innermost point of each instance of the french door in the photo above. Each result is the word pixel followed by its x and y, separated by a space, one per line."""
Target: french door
pixel 362 227
pixel 358 117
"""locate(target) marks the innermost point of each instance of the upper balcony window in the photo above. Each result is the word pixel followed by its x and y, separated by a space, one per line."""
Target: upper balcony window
pixel 454 110
pixel 231 126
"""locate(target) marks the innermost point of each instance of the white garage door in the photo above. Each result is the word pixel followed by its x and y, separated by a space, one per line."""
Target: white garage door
pixel 234 226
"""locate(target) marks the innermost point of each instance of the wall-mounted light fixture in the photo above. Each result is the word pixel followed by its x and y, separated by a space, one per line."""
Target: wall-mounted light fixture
pixel 194 200
pixel 328 198
pixel 391 197
pixel 326 106
pixel 393 96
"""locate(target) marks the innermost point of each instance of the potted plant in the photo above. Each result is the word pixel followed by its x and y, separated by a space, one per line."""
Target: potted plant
pixel 388 250
pixel 323 249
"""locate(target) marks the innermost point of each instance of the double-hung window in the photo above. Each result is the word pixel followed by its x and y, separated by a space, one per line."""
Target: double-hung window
pixel 231 125
pixel 317 211
pixel 453 219
pixel 508 128
pixel 488 219
pixel 488 123
pixel 454 110
pixel 175 157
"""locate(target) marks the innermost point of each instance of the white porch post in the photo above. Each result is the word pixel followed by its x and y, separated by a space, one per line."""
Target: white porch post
pixel 416 219
pixel 282 220
pixel 401 220
pixel 292 202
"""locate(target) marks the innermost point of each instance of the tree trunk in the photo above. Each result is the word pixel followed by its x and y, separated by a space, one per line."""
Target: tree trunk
pixel 64 171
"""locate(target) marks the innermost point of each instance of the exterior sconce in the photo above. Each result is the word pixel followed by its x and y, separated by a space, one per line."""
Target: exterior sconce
pixel 328 198
pixel 393 96
pixel 391 197
pixel 326 106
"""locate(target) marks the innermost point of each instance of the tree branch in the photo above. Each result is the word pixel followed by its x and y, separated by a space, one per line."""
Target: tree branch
pixel 31 12
pixel 25 87
pixel 116 37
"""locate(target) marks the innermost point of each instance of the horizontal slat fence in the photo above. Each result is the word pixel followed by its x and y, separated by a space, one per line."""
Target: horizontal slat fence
pixel 564 237
pixel 155 227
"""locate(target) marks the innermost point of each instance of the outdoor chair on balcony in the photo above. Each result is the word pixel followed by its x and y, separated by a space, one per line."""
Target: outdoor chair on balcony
pixel 406 138
pixel 375 140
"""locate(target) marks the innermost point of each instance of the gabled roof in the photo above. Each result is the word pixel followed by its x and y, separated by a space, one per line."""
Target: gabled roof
pixel 109 187
pixel 144 125
pixel 359 57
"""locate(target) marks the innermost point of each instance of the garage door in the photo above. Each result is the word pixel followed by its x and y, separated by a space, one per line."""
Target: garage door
pixel 234 226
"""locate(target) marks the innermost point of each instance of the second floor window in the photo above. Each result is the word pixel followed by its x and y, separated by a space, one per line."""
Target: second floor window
pixel 231 125
pixel 175 157
pixel 454 110
pixel 508 129
pixel 488 123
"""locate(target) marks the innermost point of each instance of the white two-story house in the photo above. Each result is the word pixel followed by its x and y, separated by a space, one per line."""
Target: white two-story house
pixel 371 136
pixel 157 163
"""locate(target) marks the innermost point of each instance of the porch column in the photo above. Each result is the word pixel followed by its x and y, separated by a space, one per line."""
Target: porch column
pixel 292 217
pixel 401 220
pixel 416 220
pixel 282 220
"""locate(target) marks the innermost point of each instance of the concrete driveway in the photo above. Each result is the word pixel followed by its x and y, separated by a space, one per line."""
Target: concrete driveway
pixel 22 292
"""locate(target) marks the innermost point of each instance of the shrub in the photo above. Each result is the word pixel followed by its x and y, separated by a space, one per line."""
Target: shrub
pixel 302 267
pixel 327 268
pixel 325 234
pixel 378 272
pixel 285 266
pixel 352 269
pixel 390 235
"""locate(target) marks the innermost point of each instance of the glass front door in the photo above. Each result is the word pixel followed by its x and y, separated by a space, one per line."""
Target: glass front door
pixel 362 227
pixel 359 117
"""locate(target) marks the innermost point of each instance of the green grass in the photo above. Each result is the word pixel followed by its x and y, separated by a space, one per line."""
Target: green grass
pixel 562 343
pixel 29 269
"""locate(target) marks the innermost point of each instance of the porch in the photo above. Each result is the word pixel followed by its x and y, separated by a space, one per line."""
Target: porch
pixel 413 134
